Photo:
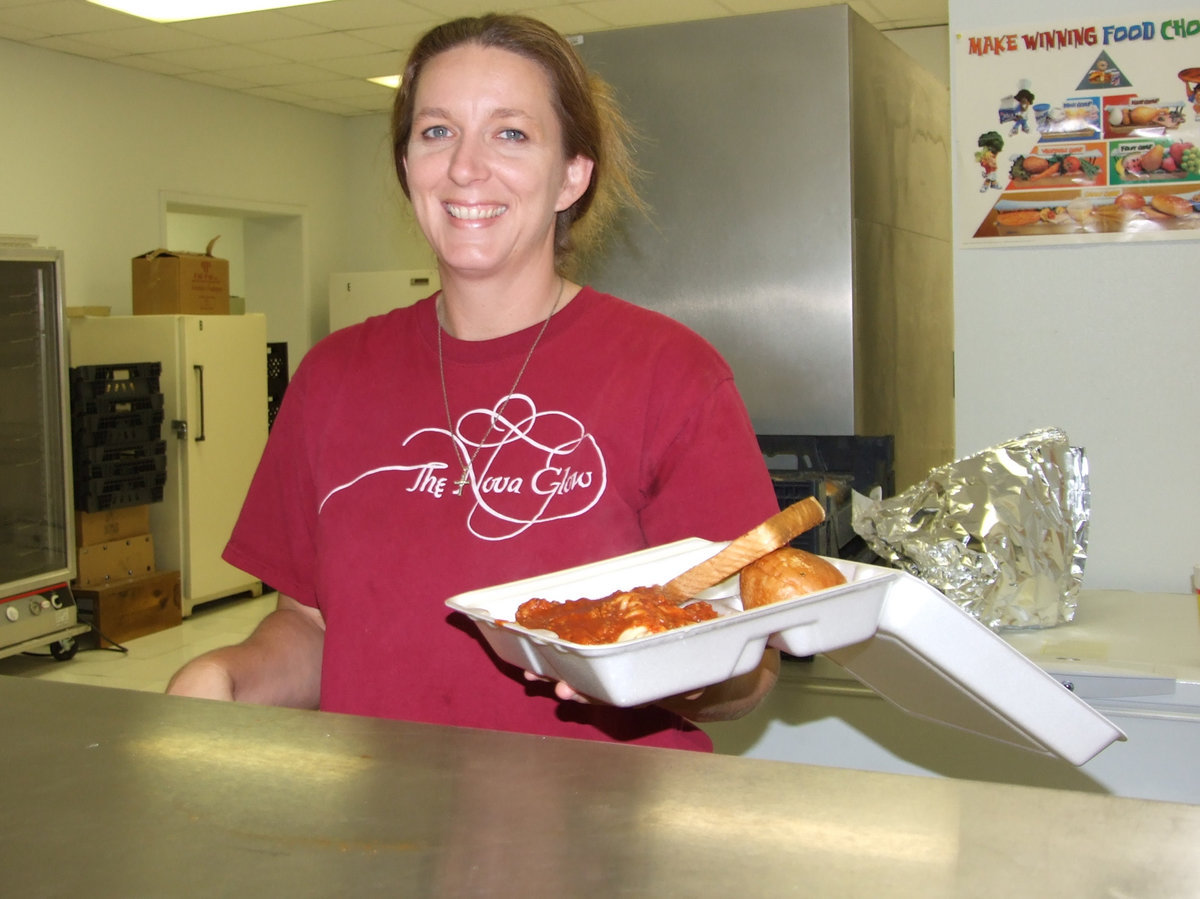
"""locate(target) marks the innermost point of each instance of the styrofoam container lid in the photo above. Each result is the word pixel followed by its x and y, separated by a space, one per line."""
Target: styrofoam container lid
pixel 892 631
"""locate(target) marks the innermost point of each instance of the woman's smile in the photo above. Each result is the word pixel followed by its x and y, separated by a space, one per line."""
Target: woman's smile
pixel 474 213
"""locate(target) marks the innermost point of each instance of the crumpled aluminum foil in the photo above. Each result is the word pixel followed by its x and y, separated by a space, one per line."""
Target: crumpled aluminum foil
pixel 1003 533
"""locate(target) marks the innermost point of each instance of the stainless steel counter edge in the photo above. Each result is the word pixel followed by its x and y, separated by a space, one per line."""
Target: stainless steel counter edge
pixel 136 794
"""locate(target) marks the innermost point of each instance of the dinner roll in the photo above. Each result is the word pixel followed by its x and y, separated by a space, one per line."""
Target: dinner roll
pixel 785 574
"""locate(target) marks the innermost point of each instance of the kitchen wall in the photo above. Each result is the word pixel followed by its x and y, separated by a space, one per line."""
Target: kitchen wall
pixel 89 148
pixel 1100 340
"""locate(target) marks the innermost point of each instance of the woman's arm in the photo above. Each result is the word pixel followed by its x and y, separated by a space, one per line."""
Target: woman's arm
pixel 278 664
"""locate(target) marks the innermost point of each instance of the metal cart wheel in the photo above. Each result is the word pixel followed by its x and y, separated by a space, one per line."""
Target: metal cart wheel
pixel 64 649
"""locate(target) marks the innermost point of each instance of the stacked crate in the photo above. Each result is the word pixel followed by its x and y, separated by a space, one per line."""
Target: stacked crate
pixel 120 458
pixel 277 379
pixel 120 469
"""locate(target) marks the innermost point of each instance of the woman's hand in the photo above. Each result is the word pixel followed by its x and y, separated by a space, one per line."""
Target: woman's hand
pixel 562 690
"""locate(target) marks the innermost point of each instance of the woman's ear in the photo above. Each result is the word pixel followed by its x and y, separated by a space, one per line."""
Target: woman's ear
pixel 575 181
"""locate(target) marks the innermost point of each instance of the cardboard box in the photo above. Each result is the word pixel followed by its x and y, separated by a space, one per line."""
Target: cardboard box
pixel 168 282
pixel 132 608
pixel 101 564
pixel 111 524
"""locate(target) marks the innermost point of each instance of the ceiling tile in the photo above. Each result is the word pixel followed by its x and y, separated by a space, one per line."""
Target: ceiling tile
pixel 76 47
pixel 444 10
pixel 868 10
pixel 751 7
pixel 907 13
pixel 367 66
pixel 152 64
pixel 66 17
pixel 21 34
pixel 314 47
pixel 567 18
pixel 152 38
pixel 396 37
pixel 247 27
pixel 343 89
pixel 347 14
pixel 220 57
pixel 281 73
pixel 628 13
pixel 217 79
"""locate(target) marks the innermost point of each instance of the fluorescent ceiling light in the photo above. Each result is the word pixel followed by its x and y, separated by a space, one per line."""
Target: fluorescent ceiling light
pixel 392 81
pixel 183 10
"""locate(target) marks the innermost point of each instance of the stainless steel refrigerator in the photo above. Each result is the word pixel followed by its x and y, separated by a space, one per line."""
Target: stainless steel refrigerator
pixel 214 385
pixel 797 167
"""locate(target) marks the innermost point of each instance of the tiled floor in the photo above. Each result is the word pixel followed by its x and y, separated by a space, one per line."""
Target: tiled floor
pixel 149 661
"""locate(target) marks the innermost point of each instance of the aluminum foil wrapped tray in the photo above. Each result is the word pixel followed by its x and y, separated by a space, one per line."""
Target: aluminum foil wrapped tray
pixel 1003 533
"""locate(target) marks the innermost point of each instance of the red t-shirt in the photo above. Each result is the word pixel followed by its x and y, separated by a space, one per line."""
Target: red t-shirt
pixel 626 431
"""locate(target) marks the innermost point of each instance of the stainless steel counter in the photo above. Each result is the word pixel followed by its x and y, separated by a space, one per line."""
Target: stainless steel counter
pixel 116 793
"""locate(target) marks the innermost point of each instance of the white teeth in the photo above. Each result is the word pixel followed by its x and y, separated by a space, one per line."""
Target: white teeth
pixel 474 213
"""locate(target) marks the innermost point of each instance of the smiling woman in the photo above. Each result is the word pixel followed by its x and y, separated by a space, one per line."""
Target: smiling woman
pixel 511 424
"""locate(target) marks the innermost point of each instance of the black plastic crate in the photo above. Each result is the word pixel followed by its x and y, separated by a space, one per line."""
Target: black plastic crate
pixel 277 379
pixel 869 461
pixel 84 441
pixel 277 366
pixel 120 484
pixel 119 453
pixel 112 421
pixel 135 497
pixel 121 467
pixel 116 371
pixel 85 391
pixel 117 404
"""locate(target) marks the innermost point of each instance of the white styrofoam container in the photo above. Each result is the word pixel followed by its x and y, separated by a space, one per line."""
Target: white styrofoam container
pixel 893 631
pixel 653 667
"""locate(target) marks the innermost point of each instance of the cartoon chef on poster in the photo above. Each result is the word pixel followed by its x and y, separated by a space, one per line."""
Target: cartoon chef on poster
pixel 1023 113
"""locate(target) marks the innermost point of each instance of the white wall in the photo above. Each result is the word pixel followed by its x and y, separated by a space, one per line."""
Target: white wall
pixel 1099 340
pixel 383 233
pixel 89 148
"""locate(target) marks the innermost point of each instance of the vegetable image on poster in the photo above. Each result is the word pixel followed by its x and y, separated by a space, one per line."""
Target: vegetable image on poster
pixel 1087 131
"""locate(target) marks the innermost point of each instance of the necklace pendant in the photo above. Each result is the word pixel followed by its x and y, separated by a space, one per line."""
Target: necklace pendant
pixel 460 483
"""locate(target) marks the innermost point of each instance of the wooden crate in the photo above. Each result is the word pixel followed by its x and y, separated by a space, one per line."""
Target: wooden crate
pixel 111 524
pixel 101 564
pixel 132 608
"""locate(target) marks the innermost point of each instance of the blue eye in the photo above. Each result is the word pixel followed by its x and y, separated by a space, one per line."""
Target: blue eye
pixel 512 134
pixel 436 132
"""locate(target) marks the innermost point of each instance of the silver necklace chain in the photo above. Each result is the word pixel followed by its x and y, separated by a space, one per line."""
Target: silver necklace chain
pixel 469 464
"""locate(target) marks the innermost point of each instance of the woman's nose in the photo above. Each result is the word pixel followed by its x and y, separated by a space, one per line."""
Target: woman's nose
pixel 467 163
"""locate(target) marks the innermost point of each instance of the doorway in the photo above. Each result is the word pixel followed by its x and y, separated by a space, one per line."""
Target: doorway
pixel 266 248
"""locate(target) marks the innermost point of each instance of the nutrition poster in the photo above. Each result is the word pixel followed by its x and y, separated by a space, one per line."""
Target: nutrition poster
pixel 1079 131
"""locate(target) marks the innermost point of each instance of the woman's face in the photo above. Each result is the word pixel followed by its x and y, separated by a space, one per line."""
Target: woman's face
pixel 485 165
